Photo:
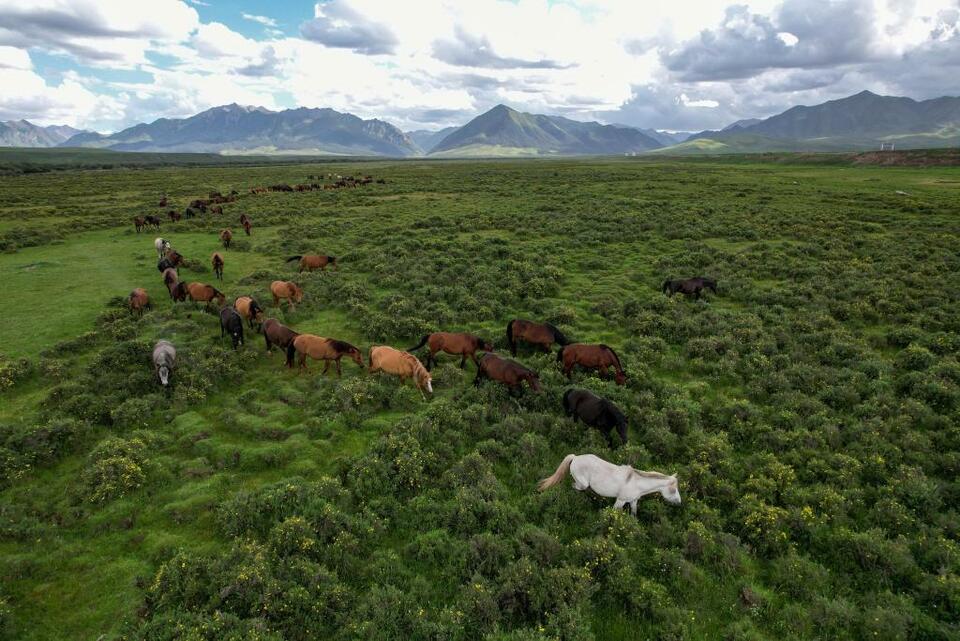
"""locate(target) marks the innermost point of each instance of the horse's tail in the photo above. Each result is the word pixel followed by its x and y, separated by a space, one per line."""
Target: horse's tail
pixel 558 335
pixel 557 476
pixel 293 258
pixel 423 341
pixel 291 351
pixel 616 358
pixel 560 353
pixel 510 335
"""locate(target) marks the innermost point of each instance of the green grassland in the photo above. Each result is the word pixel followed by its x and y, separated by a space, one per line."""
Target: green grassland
pixel 809 409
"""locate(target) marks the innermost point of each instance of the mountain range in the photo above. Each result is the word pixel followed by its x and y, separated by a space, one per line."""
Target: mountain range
pixel 858 122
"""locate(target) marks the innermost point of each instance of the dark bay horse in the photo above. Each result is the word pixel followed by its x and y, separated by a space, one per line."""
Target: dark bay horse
pixel 688 287
pixel 595 411
pixel 542 334
pixel 217 261
pixel 598 357
pixel 276 333
pixel 510 373
pixel 231 323
pixel 455 343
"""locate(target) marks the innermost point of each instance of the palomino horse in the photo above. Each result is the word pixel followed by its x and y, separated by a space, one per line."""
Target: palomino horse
pixel 249 309
pixel 402 364
pixel 164 359
pixel 311 262
pixel 460 343
pixel 689 287
pixel 276 333
pixel 217 261
pixel 225 237
pixel 595 411
pixel 138 301
pixel 621 482
pixel 162 246
pixel 288 290
pixel 202 293
pixel 510 373
pixel 322 349
pixel 598 357
pixel 542 334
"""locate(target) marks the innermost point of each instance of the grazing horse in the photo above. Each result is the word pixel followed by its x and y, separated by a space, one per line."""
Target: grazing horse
pixel 172 281
pixel 598 357
pixel 162 246
pixel 246 227
pixel 460 343
pixel 231 323
pixel 285 289
pixel 217 261
pixel 174 216
pixel 165 264
pixel 510 373
pixel 152 221
pixel 276 333
pixel 621 482
pixel 542 334
pixel 164 360
pixel 402 364
pixel 249 309
pixel 322 349
pixel 244 218
pixel 138 301
pixel 596 412
pixel 689 287
pixel 139 222
pixel 225 237
pixel 311 262
pixel 163 202
pixel 202 293
pixel 216 209
pixel 174 257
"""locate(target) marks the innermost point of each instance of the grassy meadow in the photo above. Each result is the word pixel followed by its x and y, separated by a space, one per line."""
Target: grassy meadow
pixel 809 409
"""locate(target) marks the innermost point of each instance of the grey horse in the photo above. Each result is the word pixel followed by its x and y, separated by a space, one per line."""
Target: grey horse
pixel 164 359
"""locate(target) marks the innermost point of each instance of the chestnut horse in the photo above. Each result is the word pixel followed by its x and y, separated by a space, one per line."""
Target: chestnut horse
pixel 217 261
pixel 689 287
pixel 172 281
pixel 598 357
pixel 225 237
pixel 246 227
pixel 510 373
pixel 542 334
pixel 311 262
pixel 322 349
pixel 276 333
pixel 402 364
pixel 285 289
pixel 455 343
pixel 138 301
pixel 202 293
pixel 249 309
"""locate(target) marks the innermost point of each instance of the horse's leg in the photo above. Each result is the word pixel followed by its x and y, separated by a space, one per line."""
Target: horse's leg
pixel 463 360
pixel 339 373
pixel 568 370
pixel 429 358
pixel 633 507
pixel 326 366
pixel 618 504
pixel 602 369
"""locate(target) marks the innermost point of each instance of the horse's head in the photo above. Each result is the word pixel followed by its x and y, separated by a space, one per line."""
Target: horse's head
pixel 355 354
pixel 424 380
pixel 297 292
pixel 534 381
pixel 163 373
pixel 711 284
pixel 485 345
pixel 620 377
pixel 671 491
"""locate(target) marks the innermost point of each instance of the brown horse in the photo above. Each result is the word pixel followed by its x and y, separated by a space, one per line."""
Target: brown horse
pixel 285 289
pixel 249 309
pixel 689 287
pixel 174 257
pixel 311 262
pixel 138 301
pixel 139 222
pixel 202 293
pixel 510 373
pixel 217 261
pixel 460 343
pixel 216 209
pixel 393 361
pixel 246 227
pixel 276 333
pixel 244 218
pixel 174 216
pixel 172 282
pixel 542 334
pixel 153 221
pixel 598 357
pixel 225 237
pixel 322 349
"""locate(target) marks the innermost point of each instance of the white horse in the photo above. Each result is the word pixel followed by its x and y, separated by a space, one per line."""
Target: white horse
pixel 622 482
pixel 162 246
pixel 164 360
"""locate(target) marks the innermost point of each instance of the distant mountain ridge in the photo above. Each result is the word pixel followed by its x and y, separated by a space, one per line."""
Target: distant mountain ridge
pixel 427 139
pixel 23 133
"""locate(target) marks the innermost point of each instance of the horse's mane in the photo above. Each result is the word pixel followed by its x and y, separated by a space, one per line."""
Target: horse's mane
pixel 340 346
pixel 614 355
pixel 557 334
pixel 651 475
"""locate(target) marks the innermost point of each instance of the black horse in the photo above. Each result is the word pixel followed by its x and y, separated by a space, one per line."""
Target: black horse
pixel 596 412
pixel 689 286
pixel 231 323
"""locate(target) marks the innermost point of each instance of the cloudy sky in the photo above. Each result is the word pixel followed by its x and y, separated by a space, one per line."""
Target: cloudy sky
pixel 675 64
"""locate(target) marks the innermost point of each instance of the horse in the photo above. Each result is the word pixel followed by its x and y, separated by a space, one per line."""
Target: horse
pixel 276 333
pixel 402 364
pixel 225 237
pixel 596 412
pixel 138 301
pixel 231 323
pixel 311 262
pixel 164 264
pixel 598 357
pixel 202 293
pixel 249 309
pixel 164 360
pixel 217 261
pixel 244 218
pixel 172 282
pixel 460 343
pixel 216 209
pixel 174 216
pixel 246 227
pixel 139 222
pixel 510 373
pixel 689 287
pixel 322 349
pixel 162 246
pixel 163 202
pixel 175 257
pixel 542 334
pixel 621 482
pixel 152 220
pixel 285 289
